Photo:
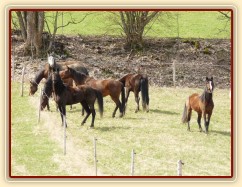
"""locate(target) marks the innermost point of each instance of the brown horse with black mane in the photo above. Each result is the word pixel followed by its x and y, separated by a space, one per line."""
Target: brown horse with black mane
pixel 202 104
pixel 106 87
pixel 66 95
pixel 137 83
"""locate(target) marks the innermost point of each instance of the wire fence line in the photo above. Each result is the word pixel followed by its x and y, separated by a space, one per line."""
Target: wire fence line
pixel 141 161
pixel 136 162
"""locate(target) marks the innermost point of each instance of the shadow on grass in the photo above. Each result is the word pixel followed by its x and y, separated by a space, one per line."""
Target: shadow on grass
pixel 164 112
pixel 111 128
pixel 224 133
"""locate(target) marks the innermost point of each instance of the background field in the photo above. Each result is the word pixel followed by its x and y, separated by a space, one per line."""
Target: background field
pixel 198 24
pixel 158 138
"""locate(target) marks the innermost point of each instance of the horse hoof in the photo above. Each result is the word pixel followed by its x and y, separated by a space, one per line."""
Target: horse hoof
pixel 91 127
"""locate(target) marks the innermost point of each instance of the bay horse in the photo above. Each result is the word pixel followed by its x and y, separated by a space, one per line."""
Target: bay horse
pixel 136 83
pixel 106 87
pixel 202 104
pixel 66 95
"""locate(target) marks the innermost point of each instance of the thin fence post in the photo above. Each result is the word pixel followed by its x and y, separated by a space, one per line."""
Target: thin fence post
pixel 132 162
pixel 179 167
pixel 64 136
pixel 95 155
pixel 40 104
pixel 22 85
pixel 174 73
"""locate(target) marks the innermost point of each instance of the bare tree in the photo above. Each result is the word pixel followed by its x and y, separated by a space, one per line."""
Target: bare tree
pixel 53 23
pixel 133 24
pixel 31 26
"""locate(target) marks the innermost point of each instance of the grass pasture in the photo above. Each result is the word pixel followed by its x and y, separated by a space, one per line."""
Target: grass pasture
pixel 192 24
pixel 158 138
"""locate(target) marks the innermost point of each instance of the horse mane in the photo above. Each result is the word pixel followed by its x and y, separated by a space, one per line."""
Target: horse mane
pixel 81 77
pixel 206 97
pixel 39 76
pixel 48 87
pixel 59 86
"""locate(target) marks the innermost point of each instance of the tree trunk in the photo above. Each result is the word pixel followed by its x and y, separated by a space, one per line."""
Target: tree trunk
pixel 32 26
pixel 133 24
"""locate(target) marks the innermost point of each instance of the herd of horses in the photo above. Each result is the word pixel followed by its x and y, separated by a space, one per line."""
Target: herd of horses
pixel 69 83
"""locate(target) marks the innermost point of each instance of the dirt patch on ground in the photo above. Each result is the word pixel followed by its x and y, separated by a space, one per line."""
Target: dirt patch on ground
pixel 106 57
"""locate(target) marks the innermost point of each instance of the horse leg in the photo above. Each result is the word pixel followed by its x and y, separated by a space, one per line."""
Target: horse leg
pixel 127 97
pixel 48 106
pixel 199 121
pixel 83 111
pixel 93 115
pixel 136 95
pixel 205 122
pixel 86 107
pixel 189 113
pixel 208 121
pixel 118 105
pixel 62 110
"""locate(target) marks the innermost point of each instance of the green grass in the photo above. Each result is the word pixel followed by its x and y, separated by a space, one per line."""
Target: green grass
pixel 158 137
pixel 192 24
pixel 32 148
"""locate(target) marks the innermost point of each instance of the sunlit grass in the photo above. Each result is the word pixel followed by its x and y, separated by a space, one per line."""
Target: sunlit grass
pixel 158 137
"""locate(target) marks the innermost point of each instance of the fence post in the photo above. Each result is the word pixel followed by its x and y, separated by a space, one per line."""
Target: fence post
pixel 179 167
pixel 174 73
pixel 40 104
pixel 64 121
pixel 95 155
pixel 22 86
pixel 132 162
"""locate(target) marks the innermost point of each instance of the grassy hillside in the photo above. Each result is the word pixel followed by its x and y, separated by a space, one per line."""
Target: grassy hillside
pixel 191 24
pixel 158 138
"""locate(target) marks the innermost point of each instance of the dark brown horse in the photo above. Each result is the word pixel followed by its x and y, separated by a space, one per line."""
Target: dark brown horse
pixel 106 87
pixel 137 83
pixel 202 104
pixel 66 95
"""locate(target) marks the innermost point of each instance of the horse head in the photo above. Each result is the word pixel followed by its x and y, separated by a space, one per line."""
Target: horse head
pixel 209 85
pixel 51 61
pixel 33 87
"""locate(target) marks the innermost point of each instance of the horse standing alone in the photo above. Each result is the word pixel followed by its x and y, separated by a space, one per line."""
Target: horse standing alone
pixel 202 104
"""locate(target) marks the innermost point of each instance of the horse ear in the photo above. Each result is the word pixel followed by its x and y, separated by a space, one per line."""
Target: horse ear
pixel 206 78
pixel 67 67
pixel 212 78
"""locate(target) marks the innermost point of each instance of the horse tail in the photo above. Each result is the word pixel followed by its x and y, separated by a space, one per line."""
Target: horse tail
pixel 100 102
pixel 122 80
pixel 184 116
pixel 123 98
pixel 144 88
